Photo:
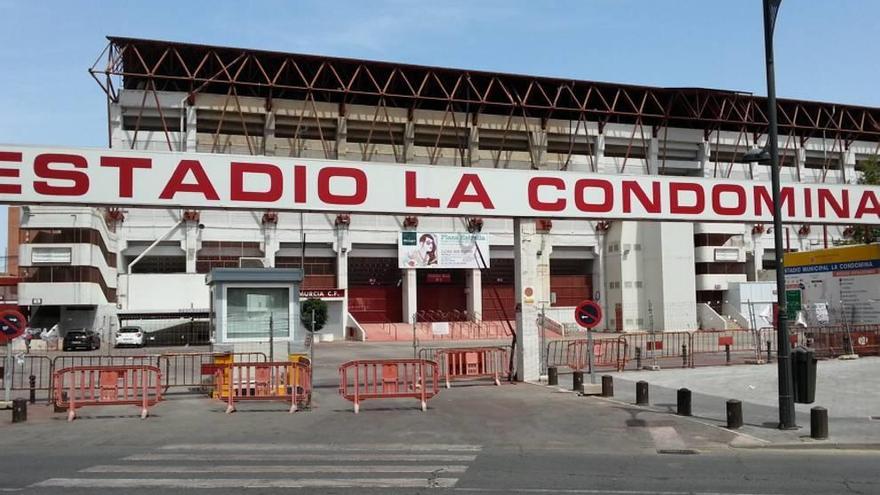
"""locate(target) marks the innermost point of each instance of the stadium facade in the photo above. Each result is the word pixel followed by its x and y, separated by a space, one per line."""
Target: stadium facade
pixel 94 267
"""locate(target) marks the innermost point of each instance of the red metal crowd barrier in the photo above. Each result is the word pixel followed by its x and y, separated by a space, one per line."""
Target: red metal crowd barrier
pixel 606 353
pixel 260 381
pixel 389 379
pixel 468 363
pixel 79 386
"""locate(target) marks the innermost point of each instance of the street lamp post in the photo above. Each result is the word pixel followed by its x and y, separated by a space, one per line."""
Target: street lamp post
pixel 783 346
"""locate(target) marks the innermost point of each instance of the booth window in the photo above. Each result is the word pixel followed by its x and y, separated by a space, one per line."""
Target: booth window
pixel 250 311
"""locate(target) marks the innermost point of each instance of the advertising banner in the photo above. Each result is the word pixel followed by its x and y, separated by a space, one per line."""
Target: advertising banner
pixel 442 250
pixel 118 177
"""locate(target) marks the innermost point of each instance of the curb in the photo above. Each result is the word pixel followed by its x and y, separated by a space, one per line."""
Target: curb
pixel 812 445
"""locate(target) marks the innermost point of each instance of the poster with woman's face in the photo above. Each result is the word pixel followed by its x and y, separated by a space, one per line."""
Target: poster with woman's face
pixel 443 250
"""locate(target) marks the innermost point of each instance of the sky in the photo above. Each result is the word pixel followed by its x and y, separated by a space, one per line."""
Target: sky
pixel 824 50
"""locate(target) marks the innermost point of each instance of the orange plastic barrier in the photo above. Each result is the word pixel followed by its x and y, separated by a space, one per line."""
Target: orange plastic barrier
pixel 78 386
pixel 472 363
pixel 606 353
pixel 389 379
pixel 279 381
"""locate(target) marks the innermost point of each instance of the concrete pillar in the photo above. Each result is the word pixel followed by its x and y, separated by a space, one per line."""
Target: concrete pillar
pixel 117 135
pixel 342 247
pixel 539 149
pixel 269 135
pixel 525 262
pixel 599 152
pixel 653 156
pixel 409 138
pixel 409 295
pixel 474 146
pixel 191 245
pixel 474 280
pixel 270 243
pixel 848 165
pixel 542 287
pixel 801 154
pixel 341 137
pixel 191 121
pixel 704 154
pixel 599 283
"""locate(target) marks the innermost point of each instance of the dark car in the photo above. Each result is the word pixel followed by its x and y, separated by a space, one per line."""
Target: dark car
pixel 81 339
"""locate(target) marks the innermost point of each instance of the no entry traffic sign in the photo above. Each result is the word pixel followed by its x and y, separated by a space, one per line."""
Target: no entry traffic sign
pixel 12 324
pixel 588 314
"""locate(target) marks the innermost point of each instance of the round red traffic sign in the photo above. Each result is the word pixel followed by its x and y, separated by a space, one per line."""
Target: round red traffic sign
pixel 588 314
pixel 12 324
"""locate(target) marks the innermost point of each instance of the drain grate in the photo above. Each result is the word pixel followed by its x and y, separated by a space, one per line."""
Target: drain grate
pixel 678 451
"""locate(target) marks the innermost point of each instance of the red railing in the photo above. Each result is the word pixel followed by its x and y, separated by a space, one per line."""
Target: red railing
pixel 80 386
pixel 389 379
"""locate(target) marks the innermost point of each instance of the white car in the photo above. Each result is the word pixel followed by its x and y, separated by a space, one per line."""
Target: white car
pixel 133 336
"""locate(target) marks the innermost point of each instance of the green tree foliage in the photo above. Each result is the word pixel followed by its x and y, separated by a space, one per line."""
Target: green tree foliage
pixel 866 234
pixel 320 308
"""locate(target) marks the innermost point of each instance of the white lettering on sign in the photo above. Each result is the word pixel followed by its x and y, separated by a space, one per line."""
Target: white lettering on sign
pixel 93 177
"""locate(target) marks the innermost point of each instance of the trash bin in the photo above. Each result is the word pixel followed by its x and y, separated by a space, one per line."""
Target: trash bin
pixel 803 364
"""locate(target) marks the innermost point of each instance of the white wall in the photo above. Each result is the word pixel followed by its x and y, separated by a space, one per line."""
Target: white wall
pixel 165 291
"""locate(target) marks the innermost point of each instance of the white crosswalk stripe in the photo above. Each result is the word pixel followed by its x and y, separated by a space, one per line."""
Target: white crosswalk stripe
pixel 280 466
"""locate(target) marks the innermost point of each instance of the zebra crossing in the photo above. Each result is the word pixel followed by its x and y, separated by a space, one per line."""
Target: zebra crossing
pixel 280 466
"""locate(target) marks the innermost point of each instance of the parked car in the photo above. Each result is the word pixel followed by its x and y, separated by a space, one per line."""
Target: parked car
pixel 81 338
pixel 130 336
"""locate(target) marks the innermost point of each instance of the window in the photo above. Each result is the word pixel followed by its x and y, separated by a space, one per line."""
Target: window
pixel 251 312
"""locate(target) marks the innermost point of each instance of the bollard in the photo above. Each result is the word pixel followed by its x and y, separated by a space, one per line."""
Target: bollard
pixel 642 393
pixel 684 355
pixel 684 402
pixel 818 423
pixel 19 410
pixel 727 353
pixel 552 376
pixel 769 351
pixel 577 380
pixel 607 386
pixel 32 384
pixel 638 358
pixel 734 414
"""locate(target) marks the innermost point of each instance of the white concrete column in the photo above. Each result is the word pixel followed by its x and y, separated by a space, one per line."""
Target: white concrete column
pixel 191 245
pixel 191 121
pixel 474 282
pixel 848 161
pixel 539 149
pixel 342 246
pixel 118 138
pixel 474 145
pixel 269 134
pixel 599 152
pixel 270 245
pixel 409 138
pixel 341 137
pixel 704 154
pixel 542 287
pixel 653 156
pixel 599 284
pixel 525 263
pixel 409 295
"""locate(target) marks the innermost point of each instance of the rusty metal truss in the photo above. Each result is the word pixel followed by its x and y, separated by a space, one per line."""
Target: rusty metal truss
pixel 157 66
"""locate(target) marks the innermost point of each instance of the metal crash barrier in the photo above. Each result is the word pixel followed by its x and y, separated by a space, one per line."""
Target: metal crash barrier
pixel 80 386
pixel 607 353
pixel 469 363
pixel 261 381
pixel 389 379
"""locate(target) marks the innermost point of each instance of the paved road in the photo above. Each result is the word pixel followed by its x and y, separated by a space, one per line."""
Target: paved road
pixel 475 438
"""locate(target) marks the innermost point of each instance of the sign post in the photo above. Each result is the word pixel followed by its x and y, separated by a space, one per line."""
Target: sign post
pixel 12 325
pixel 588 314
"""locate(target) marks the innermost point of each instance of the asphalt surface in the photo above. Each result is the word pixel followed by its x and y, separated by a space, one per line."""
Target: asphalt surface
pixel 474 438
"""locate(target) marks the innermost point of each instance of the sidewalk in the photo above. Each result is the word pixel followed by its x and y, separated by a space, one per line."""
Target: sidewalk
pixel 848 389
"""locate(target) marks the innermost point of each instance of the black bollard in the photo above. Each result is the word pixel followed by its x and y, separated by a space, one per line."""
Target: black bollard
pixel 734 414
pixel 19 410
pixel 684 402
pixel 577 380
pixel 642 393
pixel 638 358
pixel 32 384
pixel 727 353
pixel 552 376
pixel 607 386
pixel 684 355
pixel 769 351
pixel 818 423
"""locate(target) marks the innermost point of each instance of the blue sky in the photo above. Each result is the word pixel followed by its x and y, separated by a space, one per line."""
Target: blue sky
pixel 824 50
